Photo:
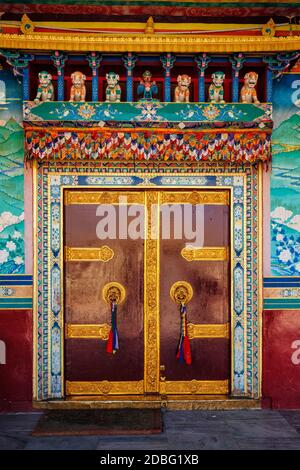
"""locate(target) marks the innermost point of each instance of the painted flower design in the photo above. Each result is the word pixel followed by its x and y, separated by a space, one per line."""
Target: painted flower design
pixel 211 112
pixel 285 256
pixel 7 291
pixel 3 256
pixel 11 246
pixel 18 260
pixel 55 190
pixel 238 191
pixel 86 111
pixel 148 112
pixel 16 235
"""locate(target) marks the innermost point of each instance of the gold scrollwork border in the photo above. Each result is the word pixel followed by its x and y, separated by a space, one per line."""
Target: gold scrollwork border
pixel 103 197
pixel 104 253
pixel 149 42
pixel 205 253
pixel 195 197
pixel 104 387
pixel 205 387
pixel 151 295
pixel 78 331
pixel 197 331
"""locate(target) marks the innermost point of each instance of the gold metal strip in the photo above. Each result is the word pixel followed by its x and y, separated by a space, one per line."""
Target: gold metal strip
pixel 195 197
pixel 149 43
pixel 76 331
pixel 151 294
pixel 105 388
pixel 103 197
pixel 206 387
pixel 205 253
pixel 104 253
pixel 196 331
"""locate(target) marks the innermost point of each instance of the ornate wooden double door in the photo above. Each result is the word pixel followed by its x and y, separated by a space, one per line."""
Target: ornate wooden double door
pixel 147 272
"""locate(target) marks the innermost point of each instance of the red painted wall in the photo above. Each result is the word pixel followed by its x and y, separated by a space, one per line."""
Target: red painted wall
pixel 281 358
pixel 16 374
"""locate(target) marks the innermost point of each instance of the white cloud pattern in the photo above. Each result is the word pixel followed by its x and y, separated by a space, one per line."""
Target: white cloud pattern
pixel 7 219
pixel 281 215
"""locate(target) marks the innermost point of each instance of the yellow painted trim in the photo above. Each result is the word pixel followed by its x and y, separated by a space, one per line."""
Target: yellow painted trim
pixel 179 387
pixel 79 331
pixel 103 253
pixel 209 330
pixel 148 43
pixel 207 253
pixel 104 388
pixel 158 26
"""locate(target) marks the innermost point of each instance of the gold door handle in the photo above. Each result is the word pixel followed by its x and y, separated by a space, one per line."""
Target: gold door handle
pixel 114 292
pixel 181 292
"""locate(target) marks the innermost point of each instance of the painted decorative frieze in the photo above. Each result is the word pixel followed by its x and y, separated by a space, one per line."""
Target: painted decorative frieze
pixel 149 111
pixel 239 147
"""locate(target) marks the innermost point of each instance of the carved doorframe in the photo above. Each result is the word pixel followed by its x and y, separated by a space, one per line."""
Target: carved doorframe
pixel 245 186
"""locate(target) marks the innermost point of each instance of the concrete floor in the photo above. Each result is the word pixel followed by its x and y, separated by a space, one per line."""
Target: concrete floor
pixel 183 430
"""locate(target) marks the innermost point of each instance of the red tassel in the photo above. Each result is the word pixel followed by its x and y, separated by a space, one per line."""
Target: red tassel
pixel 187 350
pixel 109 344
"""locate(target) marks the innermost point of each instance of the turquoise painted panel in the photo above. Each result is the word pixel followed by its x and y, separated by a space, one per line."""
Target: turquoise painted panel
pixel 145 111
pixel 285 178
pixel 11 176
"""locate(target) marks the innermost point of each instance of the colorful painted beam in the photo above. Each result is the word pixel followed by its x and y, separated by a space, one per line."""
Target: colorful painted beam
pixel 145 112
pixel 147 145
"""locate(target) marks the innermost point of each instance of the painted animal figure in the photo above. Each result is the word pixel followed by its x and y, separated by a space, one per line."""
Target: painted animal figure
pixel 45 91
pixel 216 90
pixel 182 92
pixel 248 92
pixel 78 90
pixel 147 88
pixel 113 89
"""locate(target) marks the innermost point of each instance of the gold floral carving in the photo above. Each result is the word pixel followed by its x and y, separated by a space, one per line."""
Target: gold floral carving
pixel 103 197
pixel 151 298
pixel 105 388
pixel 195 197
pixel 221 330
pixel 205 254
pixel 104 253
pixel 87 331
pixel 206 387
pixel 149 42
